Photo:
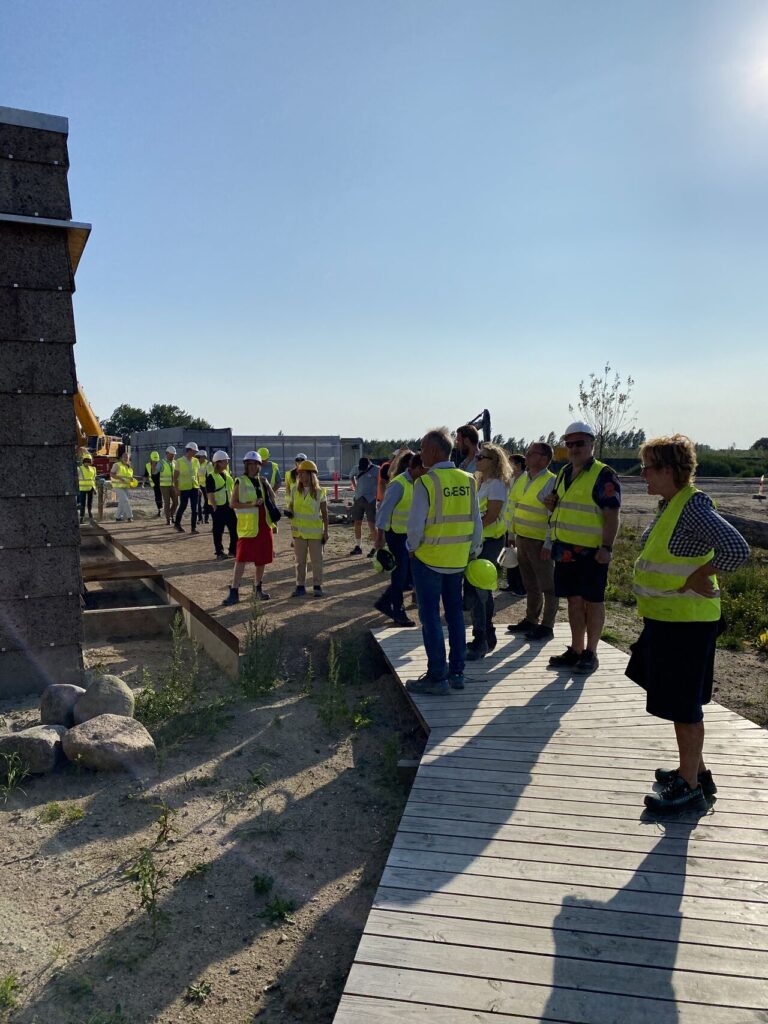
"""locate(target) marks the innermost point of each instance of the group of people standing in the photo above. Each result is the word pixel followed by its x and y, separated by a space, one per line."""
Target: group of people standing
pixel 440 516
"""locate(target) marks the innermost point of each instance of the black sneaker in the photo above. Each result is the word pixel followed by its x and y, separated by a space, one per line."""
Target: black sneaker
pixel 300 591
pixel 523 626
pixel 356 550
pixel 401 619
pixel 586 664
pixel 317 591
pixel 477 649
pixel 371 553
pixel 382 605
pixel 540 633
pixel 707 783
pixel 180 529
pixel 567 659
pixel 676 798
pixel 220 556
pixel 262 595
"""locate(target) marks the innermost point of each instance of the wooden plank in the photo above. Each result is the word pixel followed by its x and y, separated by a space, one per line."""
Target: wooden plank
pixel 111 571
pixel 353 1009
pixel 575 973
pixel 578 916
pixel 599 854
pixel 541 1002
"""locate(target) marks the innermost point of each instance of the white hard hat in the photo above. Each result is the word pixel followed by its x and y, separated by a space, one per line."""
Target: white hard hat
pixel 203 452
pixel 252 457
pixel 578 428
pixel 170 450
pixel 191 447
pixel 301 457
pixel 220 457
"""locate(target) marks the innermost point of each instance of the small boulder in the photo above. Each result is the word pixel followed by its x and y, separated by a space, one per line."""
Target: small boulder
pixel 39 748
pixel 57 705
pixel 110 743
pixel 108 695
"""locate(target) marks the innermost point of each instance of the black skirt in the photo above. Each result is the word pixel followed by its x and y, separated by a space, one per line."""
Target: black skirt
pixel 674 663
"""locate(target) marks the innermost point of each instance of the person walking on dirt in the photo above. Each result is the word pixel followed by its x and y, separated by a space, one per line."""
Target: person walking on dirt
pixel 121 474
pixel 254 503
pixel 86 485
pixel 308 512
pixel 391 529
pixel 152 477
pixel 187 486
pixel 678 598
pixel 365 481
pixel 219 486
pixel 168 491
pixel 203 469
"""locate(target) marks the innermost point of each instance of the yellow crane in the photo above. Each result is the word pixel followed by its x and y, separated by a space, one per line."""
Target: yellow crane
pixel 103 447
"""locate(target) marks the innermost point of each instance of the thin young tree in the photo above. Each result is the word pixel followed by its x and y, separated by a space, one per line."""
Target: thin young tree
pixel 605 402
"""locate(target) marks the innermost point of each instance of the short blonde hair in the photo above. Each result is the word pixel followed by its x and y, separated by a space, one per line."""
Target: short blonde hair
pixel 500 467
pixel 678 452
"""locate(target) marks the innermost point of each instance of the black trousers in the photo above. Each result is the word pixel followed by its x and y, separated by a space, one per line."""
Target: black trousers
pixel 190 497
pixel 224 517
pixel 401 574
pixel 158 492
pixel 83 498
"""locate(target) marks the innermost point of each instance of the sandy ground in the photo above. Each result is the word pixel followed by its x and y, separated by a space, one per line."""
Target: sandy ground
pixel 270 793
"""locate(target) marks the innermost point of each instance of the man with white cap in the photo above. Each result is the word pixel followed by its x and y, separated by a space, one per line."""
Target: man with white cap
pixel 187 485
pixel 583 524
pixel 168 491
pixel 218 487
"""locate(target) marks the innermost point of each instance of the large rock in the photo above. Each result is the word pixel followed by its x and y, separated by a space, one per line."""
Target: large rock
pixel 110 743
pixel 108 695
pixel 57 705
pixel 39 748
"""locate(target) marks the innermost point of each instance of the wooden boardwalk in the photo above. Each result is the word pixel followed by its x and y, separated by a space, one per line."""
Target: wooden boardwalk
pixel 526 881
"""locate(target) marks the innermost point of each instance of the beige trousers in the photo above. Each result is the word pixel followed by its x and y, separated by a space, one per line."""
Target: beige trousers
pixel 538 579
pixel 313 548
pixel 170 501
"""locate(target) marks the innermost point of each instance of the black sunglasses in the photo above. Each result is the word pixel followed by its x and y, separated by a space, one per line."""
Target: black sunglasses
pixel 575 444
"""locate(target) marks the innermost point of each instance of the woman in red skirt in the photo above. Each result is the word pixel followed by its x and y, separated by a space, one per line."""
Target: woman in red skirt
pixel 254 526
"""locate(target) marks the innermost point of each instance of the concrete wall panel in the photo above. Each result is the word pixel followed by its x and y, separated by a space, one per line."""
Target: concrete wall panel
pixel 40 622
pixel 29 144
pixel 34 190
pixel 40 472
pixel 30 671
pixel 32 367
pixel 37 420
pixel 42 572
pixel 30 316
pixel 34 257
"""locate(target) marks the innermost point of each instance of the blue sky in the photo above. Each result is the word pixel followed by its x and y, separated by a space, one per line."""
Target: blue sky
pixel 367 218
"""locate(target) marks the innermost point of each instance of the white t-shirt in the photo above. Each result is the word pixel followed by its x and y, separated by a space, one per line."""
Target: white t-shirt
pixel 493 490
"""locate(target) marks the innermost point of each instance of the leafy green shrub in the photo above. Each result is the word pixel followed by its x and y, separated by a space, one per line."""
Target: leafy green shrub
pixel 176 688
pixel 745 603
pixel 262 648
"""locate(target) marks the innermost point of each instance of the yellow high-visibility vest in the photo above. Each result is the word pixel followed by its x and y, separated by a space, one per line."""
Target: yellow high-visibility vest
pixel 509 508
pixel 86 477
pixel 248 518
pixel 450 524
pixel 203 469
pixel 307 521
pixel 398 521
pixel 659 575
pixel 123 477
pixel 530 513
pixel 497 528
pixel 166 472
pixel 224 487
pixel 577 519
pixel 187 473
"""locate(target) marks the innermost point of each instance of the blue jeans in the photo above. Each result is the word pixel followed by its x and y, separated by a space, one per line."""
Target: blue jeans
pixel 398 581
pixel 430 587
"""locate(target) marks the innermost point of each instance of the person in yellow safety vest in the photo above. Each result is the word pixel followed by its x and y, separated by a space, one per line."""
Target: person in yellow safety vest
pixel 512 579
pixel 203 469
pixel 308 511
pixel 254 502
pixel 219 486
pixel 528 534
pixel 292 475
pixel 584 521
pixel 678 599
pixel 152 477
pixel 391 527
pixel 187 486
pixel 493 476
pixel 86 485
pixel 444 531
pixel 270 470
pixel 121 475
pixel 165 476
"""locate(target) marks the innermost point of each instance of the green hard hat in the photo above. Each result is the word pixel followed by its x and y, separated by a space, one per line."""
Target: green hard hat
pixel 384 561
pixel 264 453
pixel 481 574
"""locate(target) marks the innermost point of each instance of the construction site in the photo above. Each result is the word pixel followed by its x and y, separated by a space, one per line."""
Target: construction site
pixel 284 833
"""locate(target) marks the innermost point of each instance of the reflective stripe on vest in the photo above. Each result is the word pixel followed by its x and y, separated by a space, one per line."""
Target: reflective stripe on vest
pixel 224 487
pixel 398 521
pixel 307 522
pixel 577 519
pixel 166 472
pixel 86 477
pixel 450 525
pixel 509 508
pixel 187 473
pixel 248 518
pixel 203 469
pixel 659 575
pixel 498 527
pixel 530 514
pixel 123 477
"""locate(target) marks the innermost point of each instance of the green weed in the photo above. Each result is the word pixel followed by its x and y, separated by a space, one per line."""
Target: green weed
pixel 332 708
pixel 13 771
pixel 262 884
pixel 9 986
pixel 390 755
pixel 164 823
pixel 262 649
pixel 198 993
pixel 176 688
pixel 67 814
pixel 278 910
pixel 148 878
pixel 359 718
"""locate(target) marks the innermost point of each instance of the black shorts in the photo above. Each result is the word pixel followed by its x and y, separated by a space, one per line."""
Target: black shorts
pixel 581 576
pixel 674 663
pixel 363 509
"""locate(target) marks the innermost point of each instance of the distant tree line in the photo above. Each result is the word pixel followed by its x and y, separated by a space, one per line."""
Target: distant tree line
pixel 127 418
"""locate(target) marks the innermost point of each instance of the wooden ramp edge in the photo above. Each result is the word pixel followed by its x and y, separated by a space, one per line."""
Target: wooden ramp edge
pixel 526 881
